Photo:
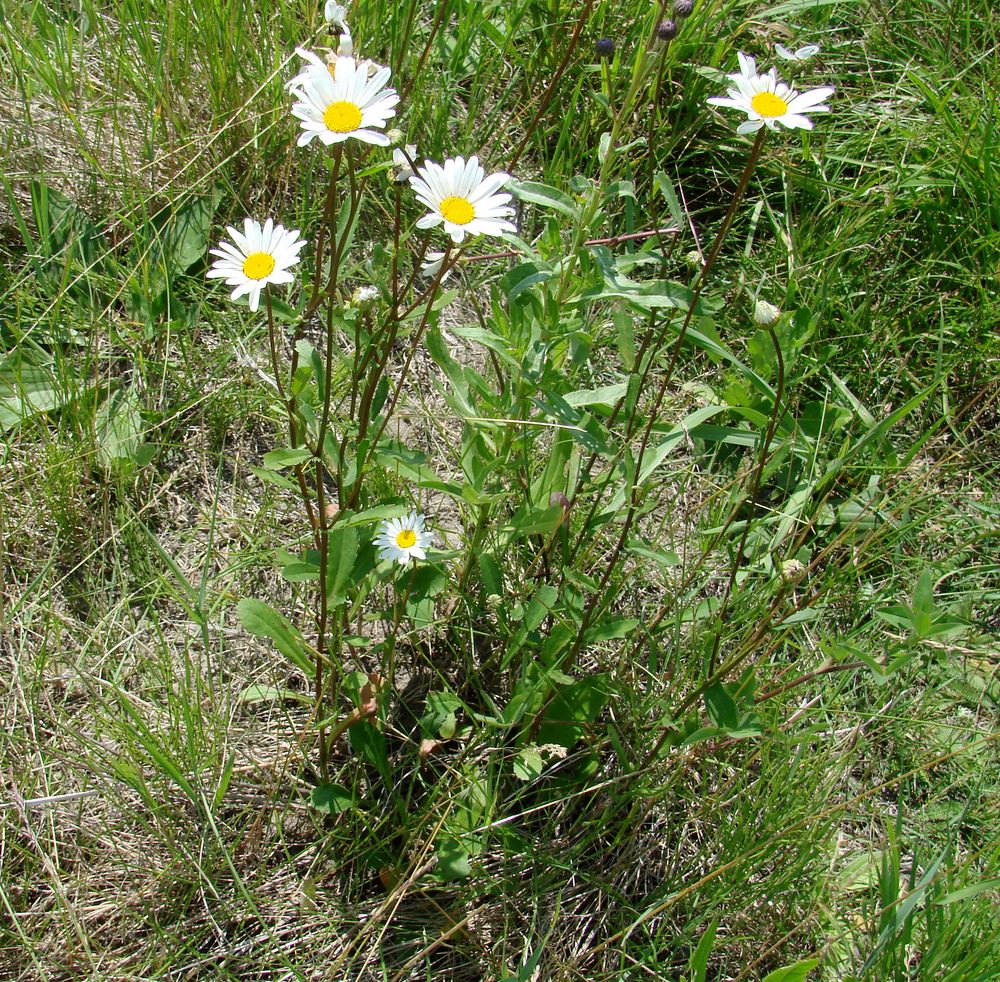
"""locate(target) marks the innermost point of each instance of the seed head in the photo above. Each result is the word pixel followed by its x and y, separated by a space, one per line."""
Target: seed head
pixel 666 30
pixel 765 313
pixel 605 47
pixel 683 8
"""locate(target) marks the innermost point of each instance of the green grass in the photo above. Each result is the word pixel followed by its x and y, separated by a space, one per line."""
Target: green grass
pixel 748 723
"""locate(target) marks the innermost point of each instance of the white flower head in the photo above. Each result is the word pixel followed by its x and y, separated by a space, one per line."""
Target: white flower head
pixel 765 313
pixel 403 539
pixel 802 54
pixel 257 256
pixel 336 15
pixel 364 295
pixel 463 198
pixel 340 101
pixel 768 101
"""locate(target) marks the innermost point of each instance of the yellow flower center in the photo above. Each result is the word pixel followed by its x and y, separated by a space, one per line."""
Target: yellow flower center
pixel 406 539
pixel 258 265
pixel 768 104
pixel 342 117
pixel 458 211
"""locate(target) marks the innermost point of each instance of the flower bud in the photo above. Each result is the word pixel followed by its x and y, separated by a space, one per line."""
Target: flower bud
pixel 605 48
pixel 765 314
pixel 683 8
pixel 666 30
pixel 558 498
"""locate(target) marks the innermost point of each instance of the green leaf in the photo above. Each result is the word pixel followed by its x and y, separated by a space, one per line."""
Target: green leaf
pixel 453 860
pixel 270 693
pixel 439 716
pixel 119 426
pixel 184 238
pixel 300 572
pixel 542 194
pixel 369 743
pixel 721 708
pixel 542 603
pixel 489 571
pixel 29 386
pixel 967 893
pixel 277 460
pixel 263 621
pixel 342 551
pixel 332 799
pixel 613 627
pixel 698 965
pixel 272 477
pixel 661 557
pixel 792 973
pixel 528 764
pixel 607 395
pixel 574 706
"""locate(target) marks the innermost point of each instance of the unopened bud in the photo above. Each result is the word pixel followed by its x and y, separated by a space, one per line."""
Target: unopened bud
pixel 765 314
pixel 605 47
pixel 666 30
pixel 683 8
pixel 558 498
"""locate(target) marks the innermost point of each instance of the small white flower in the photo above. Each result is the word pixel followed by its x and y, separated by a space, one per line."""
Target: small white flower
pixel 765 313
pixel 403 539
pixel 460 195
pixel 402 169
pixel 364 295
pixel 802 54
pixel 260 255
pixel 340 101
pixel 768 101
pixel 335 14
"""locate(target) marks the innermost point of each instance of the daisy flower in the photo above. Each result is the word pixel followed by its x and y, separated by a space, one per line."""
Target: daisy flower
pixel 341 101
pixel 403 539
pixel 768 101
pixel 260 255
pixel 461 196
pixel 802 54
